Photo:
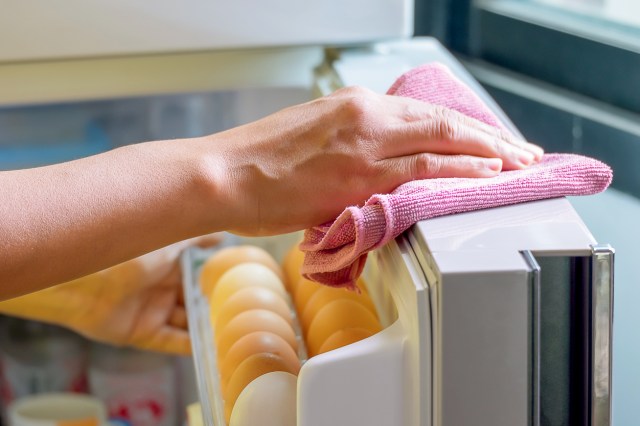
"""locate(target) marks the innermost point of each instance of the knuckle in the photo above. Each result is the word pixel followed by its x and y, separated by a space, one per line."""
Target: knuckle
pixel 427 166
pixel 498 147
pixel 446 130
pixel 358 108
pixel 444 125
pixel 354 91
pixel 506 136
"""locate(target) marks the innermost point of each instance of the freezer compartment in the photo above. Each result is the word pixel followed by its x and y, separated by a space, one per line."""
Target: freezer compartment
pixel 370 382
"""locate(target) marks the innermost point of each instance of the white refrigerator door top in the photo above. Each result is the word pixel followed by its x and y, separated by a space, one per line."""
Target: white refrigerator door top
pixel 79 28
pixel 550 226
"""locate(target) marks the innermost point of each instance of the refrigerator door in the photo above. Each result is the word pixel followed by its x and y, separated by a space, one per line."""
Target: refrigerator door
pixel 520 307
pixel 522 316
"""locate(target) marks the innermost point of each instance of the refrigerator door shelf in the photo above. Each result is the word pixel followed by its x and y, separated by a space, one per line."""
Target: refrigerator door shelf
pixel 378 381
pixel 386 378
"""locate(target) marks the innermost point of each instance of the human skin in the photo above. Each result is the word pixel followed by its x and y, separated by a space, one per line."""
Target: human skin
pixel 294 169
pixel 137 303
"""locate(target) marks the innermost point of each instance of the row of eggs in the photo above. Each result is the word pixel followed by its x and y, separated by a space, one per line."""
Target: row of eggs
pixel 253 322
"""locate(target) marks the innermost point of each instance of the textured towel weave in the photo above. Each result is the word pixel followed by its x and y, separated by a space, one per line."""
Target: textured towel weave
pixel 335 253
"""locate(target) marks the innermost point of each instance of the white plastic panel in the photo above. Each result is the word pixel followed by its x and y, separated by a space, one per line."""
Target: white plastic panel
pixel 32 29
pixel 547 226
pixel 482 341
pixel 364 383
pixel 385 379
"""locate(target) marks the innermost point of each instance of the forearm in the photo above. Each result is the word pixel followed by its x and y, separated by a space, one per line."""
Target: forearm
pixel 64 221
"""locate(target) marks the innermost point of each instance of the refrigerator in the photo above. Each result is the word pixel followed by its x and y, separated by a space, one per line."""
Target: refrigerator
pixel 496 317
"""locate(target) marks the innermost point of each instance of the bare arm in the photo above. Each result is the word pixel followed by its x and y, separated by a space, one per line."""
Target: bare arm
pixel 67 220
pixel 294 169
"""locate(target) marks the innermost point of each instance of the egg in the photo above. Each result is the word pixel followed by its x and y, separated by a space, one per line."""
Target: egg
pixel 194 414
pixel 362 285
pixel 251 298
pixel 226 258
pixel 338 315
pixel 251 368
pixel 323 296
pixel 269 400
pixel 304 290
pixel 250 321
pixel 344 337
pixel 241 276
pixel 291 265
pixel 253 343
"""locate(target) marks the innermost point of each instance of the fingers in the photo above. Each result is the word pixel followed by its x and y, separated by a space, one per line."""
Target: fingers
pixel 449 138
pixel 178 318
pixel 497 133
pixel 430 166
pixel 209 240
pixel 169 340
pixel 439 130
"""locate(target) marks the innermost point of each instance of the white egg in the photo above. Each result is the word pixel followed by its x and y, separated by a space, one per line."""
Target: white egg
pixel 269 400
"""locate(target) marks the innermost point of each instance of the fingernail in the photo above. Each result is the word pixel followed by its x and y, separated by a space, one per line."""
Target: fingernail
pixel 526 158
pixel 536 150
pixel 493 164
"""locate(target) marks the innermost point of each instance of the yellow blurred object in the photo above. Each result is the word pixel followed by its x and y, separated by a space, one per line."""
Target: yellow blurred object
pixel 362 285
pixel 249 322
pixel 323 296
pixel 251 344
pixel 304 290
pixel 338 315
pixel 226 258
pixel 269 400
pixel 252 298
pixel 251 368
pixel 136 303
pixel 291 267
pixel 344 337
pixel 249 274
pixel 194 415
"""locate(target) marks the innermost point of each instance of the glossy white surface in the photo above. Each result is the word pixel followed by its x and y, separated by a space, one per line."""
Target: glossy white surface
pixel 385 379
pixel 80 28
pixel 549 226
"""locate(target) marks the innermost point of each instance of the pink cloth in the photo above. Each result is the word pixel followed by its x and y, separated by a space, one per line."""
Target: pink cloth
pixel 335 253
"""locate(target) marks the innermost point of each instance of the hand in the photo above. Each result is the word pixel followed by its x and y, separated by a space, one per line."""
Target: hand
pixel 301 166
pixel 137 303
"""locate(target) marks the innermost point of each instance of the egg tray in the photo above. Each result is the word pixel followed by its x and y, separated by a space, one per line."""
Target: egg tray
pixel 202 335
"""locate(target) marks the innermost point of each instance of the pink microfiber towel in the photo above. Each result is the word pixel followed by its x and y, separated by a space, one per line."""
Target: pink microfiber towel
pixel 335 253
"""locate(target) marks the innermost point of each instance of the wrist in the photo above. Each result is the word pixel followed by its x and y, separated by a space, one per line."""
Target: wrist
pixel 214 194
